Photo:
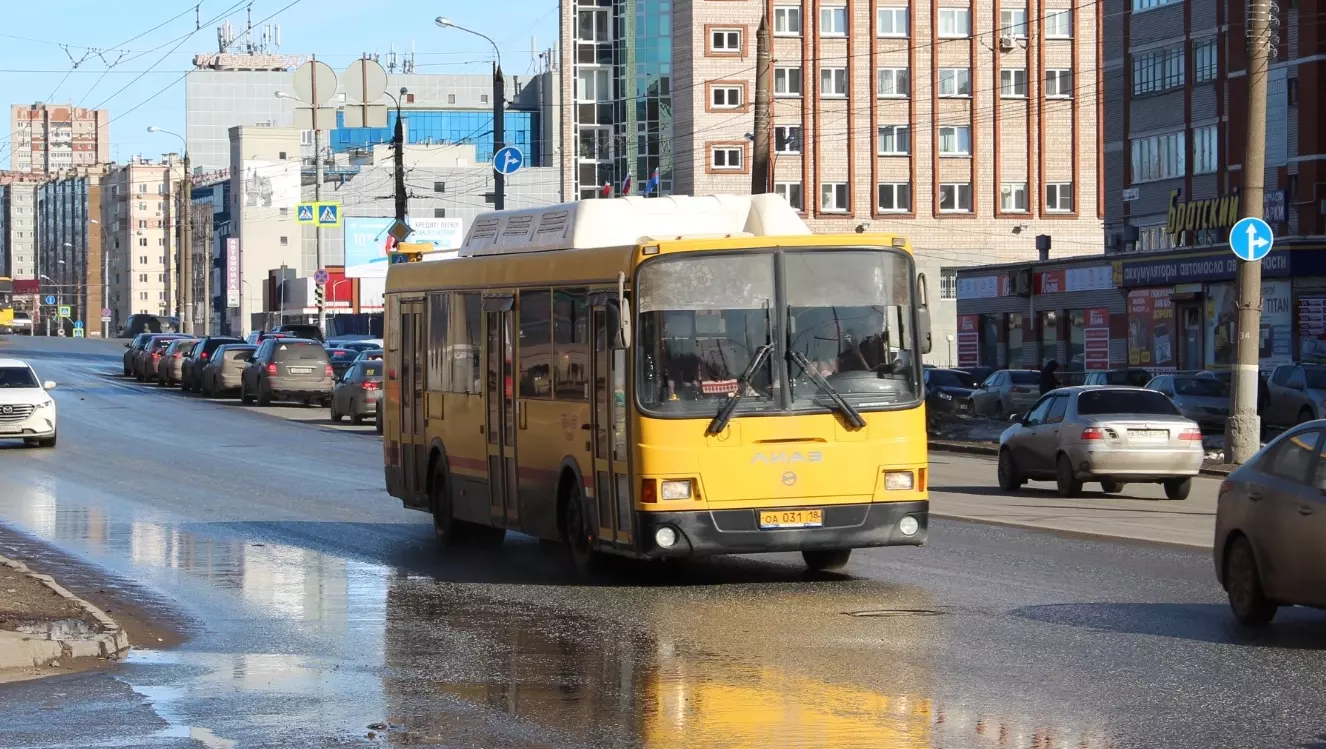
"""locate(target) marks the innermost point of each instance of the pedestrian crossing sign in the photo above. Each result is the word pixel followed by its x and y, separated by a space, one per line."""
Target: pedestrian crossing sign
pixel 329 214
pixel 304 213
pixel 78 332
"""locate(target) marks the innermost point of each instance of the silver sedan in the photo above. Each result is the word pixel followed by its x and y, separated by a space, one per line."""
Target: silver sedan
pixel 1114 435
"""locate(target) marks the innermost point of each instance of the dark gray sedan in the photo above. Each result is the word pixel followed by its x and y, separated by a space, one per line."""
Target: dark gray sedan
pixel 358 394
pixel 1270 537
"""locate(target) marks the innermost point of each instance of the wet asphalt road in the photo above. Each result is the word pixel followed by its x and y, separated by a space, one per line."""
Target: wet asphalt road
pixel 318 606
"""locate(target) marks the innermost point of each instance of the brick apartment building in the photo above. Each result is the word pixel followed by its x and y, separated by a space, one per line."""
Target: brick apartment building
pixel 50 138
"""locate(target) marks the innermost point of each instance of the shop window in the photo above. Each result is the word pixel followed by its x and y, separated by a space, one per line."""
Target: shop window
pixel 535 344
pixel 990 340
pixel 1077 341
pixel 1049 329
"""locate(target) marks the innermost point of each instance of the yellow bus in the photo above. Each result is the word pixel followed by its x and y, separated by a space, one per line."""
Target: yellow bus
pixel 6 305
pixel 663 377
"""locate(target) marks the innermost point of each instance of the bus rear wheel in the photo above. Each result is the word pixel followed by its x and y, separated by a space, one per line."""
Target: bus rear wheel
pixel 826 560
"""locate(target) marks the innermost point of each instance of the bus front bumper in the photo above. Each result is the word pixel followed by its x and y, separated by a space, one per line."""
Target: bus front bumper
pixel 713 532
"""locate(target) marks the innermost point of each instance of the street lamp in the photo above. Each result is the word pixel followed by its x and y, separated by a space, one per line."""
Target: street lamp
pixel 499 108
pixel 105 279
pixel 185 244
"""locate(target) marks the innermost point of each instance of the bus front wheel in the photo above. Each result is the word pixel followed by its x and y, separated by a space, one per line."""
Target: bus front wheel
pixel 578 534
pixel 826 560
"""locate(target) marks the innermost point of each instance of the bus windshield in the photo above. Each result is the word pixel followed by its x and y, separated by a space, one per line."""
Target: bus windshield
pixel 848 318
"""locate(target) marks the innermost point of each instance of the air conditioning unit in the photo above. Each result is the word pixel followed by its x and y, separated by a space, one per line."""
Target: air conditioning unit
pixel 1006 44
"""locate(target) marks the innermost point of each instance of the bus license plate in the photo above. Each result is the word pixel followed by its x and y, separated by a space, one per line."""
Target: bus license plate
pixel 792 519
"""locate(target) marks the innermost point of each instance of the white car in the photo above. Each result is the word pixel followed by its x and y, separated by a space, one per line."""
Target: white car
pixel 27 411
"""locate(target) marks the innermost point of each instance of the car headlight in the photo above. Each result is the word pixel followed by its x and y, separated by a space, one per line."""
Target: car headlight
pixel 46 404
pixel 945 396
pixel 676 489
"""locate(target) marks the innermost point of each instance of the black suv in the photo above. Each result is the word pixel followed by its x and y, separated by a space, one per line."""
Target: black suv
pixel 288 369
pixel 311 332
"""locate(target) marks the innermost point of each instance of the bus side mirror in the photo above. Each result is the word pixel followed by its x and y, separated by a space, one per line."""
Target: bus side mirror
pixel 922 315
pixel 619 326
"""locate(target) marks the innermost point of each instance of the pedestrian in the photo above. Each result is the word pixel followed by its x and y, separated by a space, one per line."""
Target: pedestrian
pixel 1048 380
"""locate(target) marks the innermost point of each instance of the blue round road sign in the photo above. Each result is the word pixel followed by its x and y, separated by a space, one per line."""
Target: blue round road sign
pixel 1251 239
pixel 78 323
pixel 508 160
pixel 50 299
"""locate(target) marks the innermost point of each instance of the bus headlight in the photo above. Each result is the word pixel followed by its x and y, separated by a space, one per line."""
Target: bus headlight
pixel 898 481
pixel 676 489
pixel 665 537
pixel 909 525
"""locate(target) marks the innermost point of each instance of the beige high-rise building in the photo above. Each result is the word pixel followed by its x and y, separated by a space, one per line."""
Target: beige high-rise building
pixel 48 138
pixel 139 210
pixel 968 127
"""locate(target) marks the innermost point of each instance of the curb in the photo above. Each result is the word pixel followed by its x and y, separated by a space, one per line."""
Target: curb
pixel 19 650
pixel 974 449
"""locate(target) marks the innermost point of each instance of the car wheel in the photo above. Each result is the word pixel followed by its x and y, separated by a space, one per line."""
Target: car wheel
pixel 999 412
pixel 1243 582
pixel 334 415
pixel 184 386
pixel 1069 486
pixel 357 419
pixel 579 535
pixel 826 560
pixel 1009 480
pixel 1304 415
pixel 1178 488
pixel 47 442
pixel 264 396
pixel 1109 486
pixel 244 396
pixel 445 526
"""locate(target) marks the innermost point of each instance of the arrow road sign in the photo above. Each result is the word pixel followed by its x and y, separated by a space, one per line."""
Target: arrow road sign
pixel 508 160
pixel 50 299
pixel 1251 239
pixel 304 213
pixel 321 276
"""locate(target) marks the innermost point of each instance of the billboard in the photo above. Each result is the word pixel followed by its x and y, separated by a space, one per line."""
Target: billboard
pixel 232 272
pixel 367 242
pixel 270 184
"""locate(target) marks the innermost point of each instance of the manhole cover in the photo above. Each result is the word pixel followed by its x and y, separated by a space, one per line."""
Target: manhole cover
pixel 898 612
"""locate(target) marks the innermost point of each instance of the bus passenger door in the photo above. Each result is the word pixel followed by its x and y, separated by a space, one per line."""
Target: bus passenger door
pixel 414 447
pixel 612 483
pixel 503 483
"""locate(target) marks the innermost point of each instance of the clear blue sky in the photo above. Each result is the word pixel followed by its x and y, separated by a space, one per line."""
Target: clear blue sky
pixel 36 68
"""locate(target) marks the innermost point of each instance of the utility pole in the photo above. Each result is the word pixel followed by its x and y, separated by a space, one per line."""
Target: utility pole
pixel 398 142
pixel 1244 424
pixel 499 133
pixel 317 191
pixel 186 250
pixel 760 162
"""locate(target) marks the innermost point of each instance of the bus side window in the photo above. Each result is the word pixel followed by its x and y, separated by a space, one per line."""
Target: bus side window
pixel 463 345
pixel 535 344
pixel 571 345
pixel 439 376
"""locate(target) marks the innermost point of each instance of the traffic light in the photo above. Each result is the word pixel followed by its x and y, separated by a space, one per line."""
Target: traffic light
pixel 320 297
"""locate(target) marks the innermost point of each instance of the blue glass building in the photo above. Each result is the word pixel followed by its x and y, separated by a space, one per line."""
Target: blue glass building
pixel 440 126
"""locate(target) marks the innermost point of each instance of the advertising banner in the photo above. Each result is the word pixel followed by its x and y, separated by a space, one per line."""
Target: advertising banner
pixel 969 340
pixel 1151 329
pixel 270 184
pixel 367 242
pixel 1221 317
pixel 1277 324
pixel 232 272
pixel 1096 338
pixel 983 287
pixel 1312 328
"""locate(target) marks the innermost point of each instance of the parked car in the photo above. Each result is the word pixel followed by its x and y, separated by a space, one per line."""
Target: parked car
pixel 1114 435
pixel 1270 522
pixel 1134 377
pixel 367 344
pixel 948 391
pixel 979 374
pixel 1205 400
pixel 1296 392
pixel 224 371
pixel 27 411
pixel 358 394
pixel 171 365
pixel 369 355
pixel 131 354
pixel 191 375
pixel 1007 391
pixel 341 360
pixel 288 369
pixel 21 324
pixel 300 330
pixel 258 336
pixel 145 365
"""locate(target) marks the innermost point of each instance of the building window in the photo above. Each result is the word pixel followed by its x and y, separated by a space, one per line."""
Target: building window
pixel 787 139
pixel 142 296
pixel 1149 4
pixel 892 83
pixel 284 211
pixel 142 223
pixel 1059 197
pixel 1013 83
pixel 725 157
pixel 592 26
pixel 948 284
pixel 791 192
pixel 439 213
pixel 726 97
pixel 1157 70
pixel 955 197
pixel 1158 157
pixel 1013 23
pixel 895 197
pixel 161 278
pixel 1205 61
pixel 833 82
pixel 787 21
pixel 594 85
pixel 439 187
pixel 787 81
pixel 833 197
pixel 483 98
pixel 891 22
pixel 142 241
pixel 1013 197
pixel 954 23
pixel 1059 24
pixel 895 140
pixel 1154 238
pixel 954 82
pixel 285 241
pixel 725 40
pixel 833 21
pixel 142 278
pixel 955 140
pixel 1059 83
pixel 142 259
pixel 1205 149
pixel 451 98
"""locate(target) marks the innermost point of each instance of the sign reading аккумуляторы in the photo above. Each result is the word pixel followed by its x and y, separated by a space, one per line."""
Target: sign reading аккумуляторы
pixel 1217 266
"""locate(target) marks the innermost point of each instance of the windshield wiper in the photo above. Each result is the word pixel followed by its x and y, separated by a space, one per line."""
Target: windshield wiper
pixel 724 414
pixel 851 413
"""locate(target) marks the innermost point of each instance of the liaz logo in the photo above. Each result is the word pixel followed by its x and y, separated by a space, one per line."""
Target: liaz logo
pixel 815 456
